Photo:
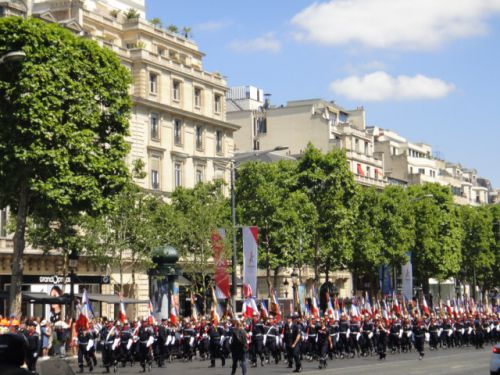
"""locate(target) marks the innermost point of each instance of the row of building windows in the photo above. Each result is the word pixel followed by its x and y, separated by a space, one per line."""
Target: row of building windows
pixel 432 172
pixel 178 169
pixel 177 93
pixel 178 134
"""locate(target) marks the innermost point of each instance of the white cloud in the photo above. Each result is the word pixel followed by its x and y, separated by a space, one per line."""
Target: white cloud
pixel 265 43
pixel 380 86
pixel 404 24
pixel 212 25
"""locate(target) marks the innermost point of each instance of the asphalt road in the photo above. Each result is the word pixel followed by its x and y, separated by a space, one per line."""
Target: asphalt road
pixel 465 361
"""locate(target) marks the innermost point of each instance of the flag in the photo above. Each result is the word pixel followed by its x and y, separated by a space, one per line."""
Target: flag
pixel 395 304
pixel 173 311
pixel 354 308
pixel 329 307
pixel 425 308
pixel 122 313
pixel 247 291
pixel 274 305
pixel 151 317
pixel 263 310
pixel 314 306
pixel 85 312
pixel 367 304
pixel 250 257
pixel 250 308
pixel 221 276
pixel 215 310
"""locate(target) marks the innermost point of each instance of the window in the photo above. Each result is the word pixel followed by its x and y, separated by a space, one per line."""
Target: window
pixel 197 97
pixel 356 145
pixel 218 141
pixel 3 223
pixel 256 145
pixel 199 137
pixel 161 51
pixel 218 103
pixel 421 170
pixel 261 125
pixel 367 148
pixel 153 122
pixel 199 175
pixel 176 90
pixel 178 174
pixel 368 172
pixel 155 173
pixel 178 132
pixel 153 83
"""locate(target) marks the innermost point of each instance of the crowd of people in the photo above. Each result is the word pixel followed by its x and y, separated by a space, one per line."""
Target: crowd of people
pixel 262 340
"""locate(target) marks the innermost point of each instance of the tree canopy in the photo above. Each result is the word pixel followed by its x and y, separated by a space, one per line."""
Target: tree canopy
pixel 64 115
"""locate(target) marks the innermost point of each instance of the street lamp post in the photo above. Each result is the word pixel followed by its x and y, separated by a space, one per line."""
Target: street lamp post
pixel 73 266
pixel 233 165
pixel 295 280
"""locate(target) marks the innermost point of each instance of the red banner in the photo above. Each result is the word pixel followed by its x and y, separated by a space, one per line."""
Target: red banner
pixel 222 290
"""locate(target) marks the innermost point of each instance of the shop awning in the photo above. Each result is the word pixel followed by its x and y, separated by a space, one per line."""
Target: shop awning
pixel 112 299
pixel 42 298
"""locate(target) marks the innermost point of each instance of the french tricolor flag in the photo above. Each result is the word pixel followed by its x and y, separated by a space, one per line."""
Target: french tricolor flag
pixel 173 311
pixel 86 314
pixel 250 308
pixel 122 313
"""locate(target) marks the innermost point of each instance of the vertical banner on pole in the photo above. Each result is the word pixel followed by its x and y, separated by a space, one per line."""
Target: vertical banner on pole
pixel 250 256
pixel 385 280
pixel 221 265
pixel 407 276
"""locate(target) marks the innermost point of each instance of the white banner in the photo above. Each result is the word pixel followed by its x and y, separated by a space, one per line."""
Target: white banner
pixel 407 278
pixel 250 254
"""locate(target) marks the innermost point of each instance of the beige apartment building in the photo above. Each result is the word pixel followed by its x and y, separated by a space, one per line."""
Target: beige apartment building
pixel 294 125
pixel 178 126
pixel 413 163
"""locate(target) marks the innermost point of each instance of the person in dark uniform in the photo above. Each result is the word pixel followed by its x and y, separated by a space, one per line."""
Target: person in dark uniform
pixel 324 343
pixel 33 339
pixel 287 338
pixel 215 347
pixel 381 337
pixel 257 344
pixel 296 340
pixel 188 336
pixel 239 347
pixel 126 342
pixel 272 339
pixel 162 342
pixel 311 334
pixel 84 343
pixel 146 338
pixel 344 333
pixel 108 336
pixel 419 330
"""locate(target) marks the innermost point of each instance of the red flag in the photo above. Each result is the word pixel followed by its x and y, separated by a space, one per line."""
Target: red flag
pixel 122 313
pixel 173 311
pixel 221 276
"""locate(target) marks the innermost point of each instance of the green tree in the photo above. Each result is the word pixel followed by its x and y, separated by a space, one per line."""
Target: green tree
pixel 267 198
pixel 187 32
pixel 132 14
pixel 368 242
pixel 397 224
pixel 199 212
pixel 492 279
pixel 156 22
pixel 64 115
pixel 173 29
pixel 478 245
pixel 438 233
pixel 330 186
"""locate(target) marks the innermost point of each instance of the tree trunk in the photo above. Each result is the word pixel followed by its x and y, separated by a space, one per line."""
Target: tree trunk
pixel 316 262
pixel 17 266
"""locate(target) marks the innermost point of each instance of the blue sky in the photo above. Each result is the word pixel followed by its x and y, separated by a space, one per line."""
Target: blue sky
pixel 427 69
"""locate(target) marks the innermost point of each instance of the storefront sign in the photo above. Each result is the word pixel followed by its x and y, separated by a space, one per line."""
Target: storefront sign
pixel 58 279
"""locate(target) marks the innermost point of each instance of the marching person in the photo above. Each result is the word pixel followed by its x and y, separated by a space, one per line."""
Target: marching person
pixel 215 348
pixel 324 343
pixel 239 347
pixel 85 343
pixel 296 340
pixel 419 330
pixel 110 341
pixel 146 340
